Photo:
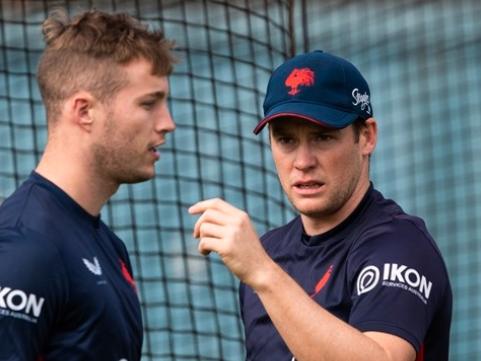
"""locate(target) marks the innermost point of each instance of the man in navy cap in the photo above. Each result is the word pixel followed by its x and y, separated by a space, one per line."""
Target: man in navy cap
pixel 352 277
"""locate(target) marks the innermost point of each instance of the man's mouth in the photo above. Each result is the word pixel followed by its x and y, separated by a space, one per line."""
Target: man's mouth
pixel 154 150
pixel 308 188
pixel 308 185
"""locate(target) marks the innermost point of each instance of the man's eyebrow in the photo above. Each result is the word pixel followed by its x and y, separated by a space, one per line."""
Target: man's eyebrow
pixel 327 130
pixel 279 130
pixel 158 94
pixel 316 129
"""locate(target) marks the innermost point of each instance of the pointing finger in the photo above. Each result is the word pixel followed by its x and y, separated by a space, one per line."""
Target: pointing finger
pixel 213 203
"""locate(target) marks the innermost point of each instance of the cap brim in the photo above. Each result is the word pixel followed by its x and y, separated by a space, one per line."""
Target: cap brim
pixel 318 114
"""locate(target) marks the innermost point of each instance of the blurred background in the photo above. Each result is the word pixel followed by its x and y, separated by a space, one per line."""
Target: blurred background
pixel 422 61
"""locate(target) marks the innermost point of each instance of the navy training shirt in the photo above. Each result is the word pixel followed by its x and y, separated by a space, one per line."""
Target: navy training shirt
pixel 379 270
pixel 66 291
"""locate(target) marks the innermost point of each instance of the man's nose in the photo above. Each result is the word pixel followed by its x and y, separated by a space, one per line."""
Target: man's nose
pixel 305 157
pixel 165 123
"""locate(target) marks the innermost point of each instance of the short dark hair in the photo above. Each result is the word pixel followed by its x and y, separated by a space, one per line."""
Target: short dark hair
pixel 357 126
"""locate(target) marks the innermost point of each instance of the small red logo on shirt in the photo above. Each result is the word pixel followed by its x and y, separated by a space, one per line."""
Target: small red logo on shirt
pixel 299 77
pixel 127 275
pixel 420 355
pixel 322 282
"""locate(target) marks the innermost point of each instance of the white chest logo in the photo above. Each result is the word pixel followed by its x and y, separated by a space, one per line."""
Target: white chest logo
pixel 94 266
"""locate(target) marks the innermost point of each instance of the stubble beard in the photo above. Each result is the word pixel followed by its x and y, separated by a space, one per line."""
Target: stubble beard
pixel 114 158
pixel 115 165
pixel 330 204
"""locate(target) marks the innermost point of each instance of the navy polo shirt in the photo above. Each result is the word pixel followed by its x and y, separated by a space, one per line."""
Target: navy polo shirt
pixel 66 290
pixel 379 270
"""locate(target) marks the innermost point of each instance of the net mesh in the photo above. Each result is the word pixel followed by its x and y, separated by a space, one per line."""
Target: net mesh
pixel 226 50
pixel 421 60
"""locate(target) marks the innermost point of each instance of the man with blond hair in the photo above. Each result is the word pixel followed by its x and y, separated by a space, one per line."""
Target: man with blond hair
pixel 66 285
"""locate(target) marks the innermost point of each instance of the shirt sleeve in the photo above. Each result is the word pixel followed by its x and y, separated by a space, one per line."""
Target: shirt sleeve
pixel 398 282
pixel 33 288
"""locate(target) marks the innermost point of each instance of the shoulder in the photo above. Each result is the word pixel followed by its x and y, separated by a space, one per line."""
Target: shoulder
pixel 33 206
pixel 31 231
pixel 398 246
pixel 13 208
pixel 29 250
pixel 388 228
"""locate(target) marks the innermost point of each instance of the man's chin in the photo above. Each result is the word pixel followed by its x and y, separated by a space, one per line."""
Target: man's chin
pixel 137 177
pixel 312 213
pixel 309 211
pixel 313 208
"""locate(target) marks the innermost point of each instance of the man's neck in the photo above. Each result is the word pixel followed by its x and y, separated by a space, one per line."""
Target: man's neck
pixel 77 180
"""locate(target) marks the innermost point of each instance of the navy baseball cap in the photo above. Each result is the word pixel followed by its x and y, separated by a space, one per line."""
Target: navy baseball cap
pixel 319 87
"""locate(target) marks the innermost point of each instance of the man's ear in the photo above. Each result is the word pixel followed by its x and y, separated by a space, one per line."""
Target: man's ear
pixel 82 109
pixel 369 136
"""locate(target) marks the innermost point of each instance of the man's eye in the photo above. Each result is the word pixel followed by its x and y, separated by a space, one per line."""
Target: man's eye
pixel 284 140
pixel 324 137
pixel 148 105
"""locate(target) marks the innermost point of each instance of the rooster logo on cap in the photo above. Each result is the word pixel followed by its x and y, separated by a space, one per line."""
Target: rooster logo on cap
pixel 299 77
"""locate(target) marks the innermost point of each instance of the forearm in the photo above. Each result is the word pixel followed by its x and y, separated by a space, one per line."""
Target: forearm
pixel 310 332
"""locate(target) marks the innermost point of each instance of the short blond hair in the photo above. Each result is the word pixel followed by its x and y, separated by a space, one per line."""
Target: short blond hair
pixel 84 53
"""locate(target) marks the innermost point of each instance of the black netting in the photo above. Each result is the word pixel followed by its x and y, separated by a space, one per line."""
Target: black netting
pixel 421 59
